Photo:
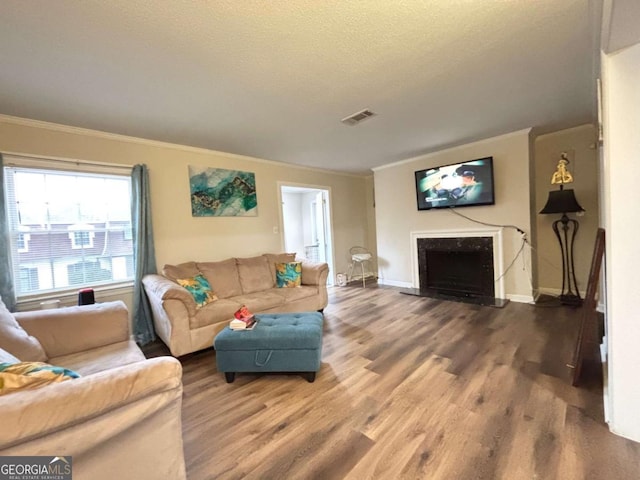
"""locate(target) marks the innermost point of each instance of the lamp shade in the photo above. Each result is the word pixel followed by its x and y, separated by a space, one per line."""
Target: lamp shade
pixel 562 201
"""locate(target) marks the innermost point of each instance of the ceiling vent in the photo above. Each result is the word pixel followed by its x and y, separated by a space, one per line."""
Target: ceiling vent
pixel 358 117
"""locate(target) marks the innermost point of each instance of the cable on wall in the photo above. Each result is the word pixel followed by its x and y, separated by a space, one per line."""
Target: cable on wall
pixel 515 227
pixel 522 233
pixel 515 257
pixel 525 241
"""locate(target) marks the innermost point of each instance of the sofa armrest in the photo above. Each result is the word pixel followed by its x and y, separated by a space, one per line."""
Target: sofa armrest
pixel 31 415
pixel 68 330
pixel 164 289
pixel 314 273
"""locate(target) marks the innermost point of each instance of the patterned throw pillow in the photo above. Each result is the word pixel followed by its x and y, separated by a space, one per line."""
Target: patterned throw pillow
pixel 199 288
pixel 288 274
pixel 26 375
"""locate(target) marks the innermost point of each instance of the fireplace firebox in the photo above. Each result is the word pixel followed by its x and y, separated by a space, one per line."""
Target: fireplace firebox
pixel 456 266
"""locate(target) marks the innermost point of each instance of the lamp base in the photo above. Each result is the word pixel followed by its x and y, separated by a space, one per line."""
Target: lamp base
pixel 570 299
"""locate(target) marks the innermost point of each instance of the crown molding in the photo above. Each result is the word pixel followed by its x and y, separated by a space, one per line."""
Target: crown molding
pixel 57 127
pixel 524 131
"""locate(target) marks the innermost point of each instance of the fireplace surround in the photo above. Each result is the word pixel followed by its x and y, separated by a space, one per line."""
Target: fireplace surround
pixel 461 265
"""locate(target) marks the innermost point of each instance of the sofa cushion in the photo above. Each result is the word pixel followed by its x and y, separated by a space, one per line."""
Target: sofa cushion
pixel 26 375
pixel 182 270
pixel 288 275
pixel 101 358
pixel 294 294
pixel 16 341
pixel 254 274
pixel 199 289
pixel 260 301
pixel 223 277
pixel 6 357
pixel 273 258
pixel 216 312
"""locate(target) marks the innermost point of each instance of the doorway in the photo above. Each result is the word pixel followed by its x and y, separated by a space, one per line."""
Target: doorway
pixel 306 223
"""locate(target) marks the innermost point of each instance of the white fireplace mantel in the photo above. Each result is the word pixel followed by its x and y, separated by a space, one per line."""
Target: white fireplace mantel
pixel 498 255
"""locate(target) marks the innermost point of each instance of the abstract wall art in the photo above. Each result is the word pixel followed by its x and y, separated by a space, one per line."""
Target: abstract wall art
pixel 217 192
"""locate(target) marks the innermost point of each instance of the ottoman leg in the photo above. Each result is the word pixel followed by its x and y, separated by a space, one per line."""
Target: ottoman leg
pixel 310 376
pixel 230 376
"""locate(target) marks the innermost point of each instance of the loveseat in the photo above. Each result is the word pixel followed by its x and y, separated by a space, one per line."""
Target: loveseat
pixel 187 328
pixel 120 419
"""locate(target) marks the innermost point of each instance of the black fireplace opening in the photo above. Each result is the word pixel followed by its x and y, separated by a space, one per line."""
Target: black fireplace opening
pixel 457 268
pixel 457 273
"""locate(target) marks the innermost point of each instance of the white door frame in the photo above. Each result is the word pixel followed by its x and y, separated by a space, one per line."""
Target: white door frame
pixel 331 260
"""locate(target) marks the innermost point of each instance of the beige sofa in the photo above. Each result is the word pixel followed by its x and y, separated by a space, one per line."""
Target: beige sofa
pixel 121 419
pixel 236 282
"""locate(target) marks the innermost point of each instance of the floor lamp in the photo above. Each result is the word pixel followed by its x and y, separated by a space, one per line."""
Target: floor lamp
pixel 564 201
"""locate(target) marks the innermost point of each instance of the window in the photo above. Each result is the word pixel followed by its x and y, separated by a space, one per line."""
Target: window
pixel 81 236
pixel 76 223
pixel 22 242
pixel 28 280
pixel 82 239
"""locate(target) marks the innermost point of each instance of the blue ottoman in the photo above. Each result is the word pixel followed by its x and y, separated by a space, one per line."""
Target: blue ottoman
pixel 280 342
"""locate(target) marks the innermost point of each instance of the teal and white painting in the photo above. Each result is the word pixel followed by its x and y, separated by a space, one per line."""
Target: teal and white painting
pixel 216 192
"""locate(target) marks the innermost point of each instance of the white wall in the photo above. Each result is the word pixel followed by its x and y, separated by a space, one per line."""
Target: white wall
pixel 621 96
pixel 397 215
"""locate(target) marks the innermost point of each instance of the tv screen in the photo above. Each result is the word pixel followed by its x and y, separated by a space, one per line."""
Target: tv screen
pixel 457 185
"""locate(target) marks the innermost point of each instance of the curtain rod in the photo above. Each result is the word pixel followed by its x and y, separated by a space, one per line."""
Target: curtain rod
pixel 64 160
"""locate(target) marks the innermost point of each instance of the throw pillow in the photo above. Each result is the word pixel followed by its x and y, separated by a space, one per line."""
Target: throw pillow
pixel 26 375
pixel 273 258
pixel 288 274
pixel 199 289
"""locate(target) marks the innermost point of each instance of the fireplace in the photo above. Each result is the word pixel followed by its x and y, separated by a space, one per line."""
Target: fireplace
pixel 458 265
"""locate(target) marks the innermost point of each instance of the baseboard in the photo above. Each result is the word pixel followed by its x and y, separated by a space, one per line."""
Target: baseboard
pixel 394 283
pixel 605 379
pixel 555 292
pixel 521 298
pixel 357 282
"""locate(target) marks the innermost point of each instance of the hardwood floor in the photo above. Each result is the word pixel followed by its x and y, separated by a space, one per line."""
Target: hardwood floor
pixel 411 388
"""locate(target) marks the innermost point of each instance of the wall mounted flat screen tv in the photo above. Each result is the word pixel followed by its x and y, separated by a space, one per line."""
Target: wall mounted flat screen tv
pixel 456 185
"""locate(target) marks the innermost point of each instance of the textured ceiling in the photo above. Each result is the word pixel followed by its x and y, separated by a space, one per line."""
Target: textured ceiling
pixel 272 79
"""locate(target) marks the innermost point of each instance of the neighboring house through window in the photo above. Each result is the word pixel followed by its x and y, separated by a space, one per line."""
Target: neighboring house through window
pixel 69 228
pixel 81 236
pixel 22 242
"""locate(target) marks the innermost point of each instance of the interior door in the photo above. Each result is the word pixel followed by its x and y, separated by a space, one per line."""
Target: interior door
pixel 306 223
pixel 321 226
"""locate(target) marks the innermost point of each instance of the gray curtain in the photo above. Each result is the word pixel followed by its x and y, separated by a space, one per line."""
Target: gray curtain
pixel 7 291
pixel 144 254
